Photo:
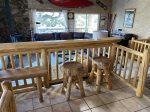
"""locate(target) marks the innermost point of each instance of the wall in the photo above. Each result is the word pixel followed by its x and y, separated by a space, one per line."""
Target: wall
pixel 141 25
pixel 21 9
pixel 33 4
pixel 20 18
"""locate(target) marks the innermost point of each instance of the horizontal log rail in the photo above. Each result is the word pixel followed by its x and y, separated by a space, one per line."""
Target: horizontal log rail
pixel 51 54
pixel 147 40
pixel 131 66
pixel 53 45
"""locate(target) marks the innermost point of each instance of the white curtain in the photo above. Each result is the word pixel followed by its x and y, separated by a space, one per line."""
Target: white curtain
pixel 65 16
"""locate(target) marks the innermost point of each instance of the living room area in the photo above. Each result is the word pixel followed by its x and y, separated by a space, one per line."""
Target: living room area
pixel 30 19
pixel 74 56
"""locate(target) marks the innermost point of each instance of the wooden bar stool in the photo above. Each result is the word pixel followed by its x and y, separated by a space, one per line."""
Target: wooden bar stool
pixel 100 69
pixel 72 72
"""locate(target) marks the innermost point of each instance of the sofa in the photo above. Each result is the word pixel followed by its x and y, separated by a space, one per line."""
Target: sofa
pixel 61 36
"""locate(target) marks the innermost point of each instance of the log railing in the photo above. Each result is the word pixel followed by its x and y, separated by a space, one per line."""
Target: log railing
pixel 139 45
pixel 147 40
pixel 52 54
pixel 7 100
pixel 131 66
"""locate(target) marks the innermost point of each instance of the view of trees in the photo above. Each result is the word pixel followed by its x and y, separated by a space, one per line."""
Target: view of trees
pixel 86 22
pixel 50 19
pixel 55 22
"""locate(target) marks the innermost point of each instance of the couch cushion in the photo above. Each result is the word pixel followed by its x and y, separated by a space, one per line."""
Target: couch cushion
pixel 66 36
pixel 45 36
pixel 77 35
pixel 57 36
pixel 88 36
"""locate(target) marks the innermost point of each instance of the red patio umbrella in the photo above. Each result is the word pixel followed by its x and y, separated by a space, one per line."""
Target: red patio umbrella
pixel 72 3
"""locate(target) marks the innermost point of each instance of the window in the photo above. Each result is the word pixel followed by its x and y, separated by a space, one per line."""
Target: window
pixel 86 22
pixel 47 22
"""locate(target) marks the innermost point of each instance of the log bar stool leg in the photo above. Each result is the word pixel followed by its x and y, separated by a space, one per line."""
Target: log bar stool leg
pixel 69 88
pixel 108 77
pixel 39 88
pixel 92 73
pixel 64 84
pixel 81 86
pixel 98 80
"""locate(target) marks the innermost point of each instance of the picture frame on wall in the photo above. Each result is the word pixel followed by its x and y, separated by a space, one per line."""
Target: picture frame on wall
pixel 129 18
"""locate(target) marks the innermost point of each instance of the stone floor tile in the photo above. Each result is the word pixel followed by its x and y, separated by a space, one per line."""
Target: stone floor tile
pixel 93 101
pixel 123 93
pixel 145 110
pixel 61 107
pixel 54 89
pixel 101 109
pixel 57 98
pixel 24 96
pixel 117 107
pixel 87 111
pixel 135 104
pixel 37 104
pixel 45 109
pixel 146 91
pixel 116 84
pixel 24 105
pixel 129 91
pixel 31 111
pixel 89 91
pixel 75 94
pixel 102 90
pixel 121 84
pixel 107 97
pixel 78 105
pixel 86 83
pixel 44 92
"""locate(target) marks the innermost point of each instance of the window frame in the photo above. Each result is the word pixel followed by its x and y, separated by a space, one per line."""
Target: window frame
pixel 86 28
pixel 52 30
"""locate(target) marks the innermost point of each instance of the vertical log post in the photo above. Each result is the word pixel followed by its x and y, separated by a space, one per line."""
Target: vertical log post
pixel 112 57
pixel 7 103
pixel 143 74
pixel 131 43
pixel 45 65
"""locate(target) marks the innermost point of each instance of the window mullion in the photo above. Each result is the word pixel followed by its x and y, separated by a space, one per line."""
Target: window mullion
pixel 86 29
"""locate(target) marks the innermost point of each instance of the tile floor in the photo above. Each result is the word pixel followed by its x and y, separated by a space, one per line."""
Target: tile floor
pixel 120 99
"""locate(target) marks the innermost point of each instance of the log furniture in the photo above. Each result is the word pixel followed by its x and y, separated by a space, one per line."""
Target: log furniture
pixel 73 73
pixel 135 68
pixel 16 74
pixel 101 69
pixel 7 100
pixel 42 52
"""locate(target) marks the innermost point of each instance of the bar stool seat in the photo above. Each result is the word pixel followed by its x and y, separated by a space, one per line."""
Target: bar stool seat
pixel 101 70
pixel 72 73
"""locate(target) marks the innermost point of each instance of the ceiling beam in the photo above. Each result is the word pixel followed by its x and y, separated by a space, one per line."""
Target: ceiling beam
pixel 102 5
